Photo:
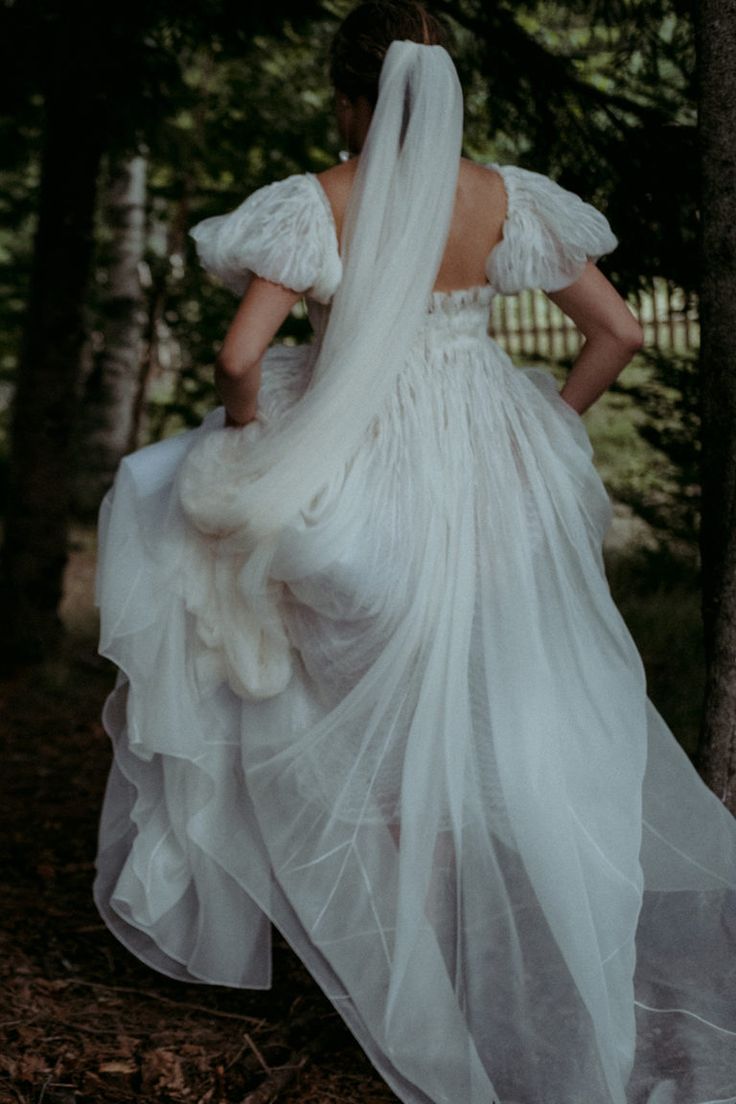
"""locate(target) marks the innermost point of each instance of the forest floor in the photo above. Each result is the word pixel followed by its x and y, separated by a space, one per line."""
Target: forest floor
pixel 82 1020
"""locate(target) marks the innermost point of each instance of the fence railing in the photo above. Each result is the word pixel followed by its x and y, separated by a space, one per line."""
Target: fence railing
pixel 531 324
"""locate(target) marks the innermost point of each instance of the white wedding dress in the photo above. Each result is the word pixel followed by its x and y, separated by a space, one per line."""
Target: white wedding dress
pixel 444 782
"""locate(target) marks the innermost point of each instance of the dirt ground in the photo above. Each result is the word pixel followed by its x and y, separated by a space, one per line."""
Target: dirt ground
pixel 81 1020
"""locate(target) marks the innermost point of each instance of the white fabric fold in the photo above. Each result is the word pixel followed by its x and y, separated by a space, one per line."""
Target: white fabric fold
pixel 462 811
pixel 281 232
pixel 549 234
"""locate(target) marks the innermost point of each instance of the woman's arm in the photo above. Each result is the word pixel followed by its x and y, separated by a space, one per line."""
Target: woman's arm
pixel 262 310
pixel 612 336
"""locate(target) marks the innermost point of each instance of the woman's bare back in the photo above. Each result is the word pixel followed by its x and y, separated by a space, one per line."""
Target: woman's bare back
pixel 477 221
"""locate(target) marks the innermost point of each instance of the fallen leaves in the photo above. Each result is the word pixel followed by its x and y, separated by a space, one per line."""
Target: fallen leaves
pixel 125 1065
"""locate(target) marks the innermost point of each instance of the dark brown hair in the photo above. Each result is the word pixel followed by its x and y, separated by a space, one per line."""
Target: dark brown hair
pixel 360 44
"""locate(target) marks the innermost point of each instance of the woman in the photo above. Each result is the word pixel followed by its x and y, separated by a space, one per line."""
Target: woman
pixel 373 687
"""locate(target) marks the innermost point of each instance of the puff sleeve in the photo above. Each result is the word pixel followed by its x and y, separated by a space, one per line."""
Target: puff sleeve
pixel 549 234
pixel 283 232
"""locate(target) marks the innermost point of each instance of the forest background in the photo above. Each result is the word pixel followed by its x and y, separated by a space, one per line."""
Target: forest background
pixel 122 127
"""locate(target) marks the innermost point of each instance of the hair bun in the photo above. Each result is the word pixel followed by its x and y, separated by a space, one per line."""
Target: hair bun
pixel 362 39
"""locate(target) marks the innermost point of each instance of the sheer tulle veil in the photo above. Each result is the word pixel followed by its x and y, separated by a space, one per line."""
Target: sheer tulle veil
pixel 244 485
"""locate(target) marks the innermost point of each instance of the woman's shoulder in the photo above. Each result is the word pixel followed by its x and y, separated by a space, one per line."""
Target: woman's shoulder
pixel 485 174
pixel 484 184
pixel 339 176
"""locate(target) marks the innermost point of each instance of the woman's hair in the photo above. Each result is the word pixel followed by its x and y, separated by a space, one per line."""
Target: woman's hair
pixel 364 36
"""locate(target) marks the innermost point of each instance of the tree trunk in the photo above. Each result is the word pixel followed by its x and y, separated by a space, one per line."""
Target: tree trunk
pixel 107 428
pixel 716 40
pixel 35 546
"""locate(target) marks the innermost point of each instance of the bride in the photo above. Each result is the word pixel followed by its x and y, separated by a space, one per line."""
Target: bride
pixel 373 689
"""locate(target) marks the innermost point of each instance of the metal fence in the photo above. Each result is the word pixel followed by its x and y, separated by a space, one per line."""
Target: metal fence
pixel 531 324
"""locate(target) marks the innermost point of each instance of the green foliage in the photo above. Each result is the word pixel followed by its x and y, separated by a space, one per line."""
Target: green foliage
pixel 601 94
pixel 645 432
pixel 666 393
pixel 657 591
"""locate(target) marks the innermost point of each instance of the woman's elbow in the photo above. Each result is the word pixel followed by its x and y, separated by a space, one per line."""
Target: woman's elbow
pixel 231 367
pixel 632 336
pixel 629 335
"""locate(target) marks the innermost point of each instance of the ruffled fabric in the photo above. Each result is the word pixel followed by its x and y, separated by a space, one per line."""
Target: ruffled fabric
pixel 283 232
pixel 549 234
pixel 462 811
pixel 424 749
pixel 226 582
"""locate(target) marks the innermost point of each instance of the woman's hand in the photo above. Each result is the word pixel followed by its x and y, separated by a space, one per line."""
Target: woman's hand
pixel 234 423
pixel 611 331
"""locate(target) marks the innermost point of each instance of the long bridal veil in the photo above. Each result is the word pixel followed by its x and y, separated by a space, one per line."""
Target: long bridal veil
pixel 241 488
pixel 395 233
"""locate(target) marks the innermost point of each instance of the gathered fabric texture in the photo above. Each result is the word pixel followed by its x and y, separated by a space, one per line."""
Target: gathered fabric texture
pixel 411 729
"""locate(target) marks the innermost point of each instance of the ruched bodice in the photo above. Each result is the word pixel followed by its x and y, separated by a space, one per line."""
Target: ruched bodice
pixel 464 311
pixel 454 319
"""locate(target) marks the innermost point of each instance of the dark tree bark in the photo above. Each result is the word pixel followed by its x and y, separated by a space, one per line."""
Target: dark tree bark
pixel 107 420
pixel 716 39
pixel 35 547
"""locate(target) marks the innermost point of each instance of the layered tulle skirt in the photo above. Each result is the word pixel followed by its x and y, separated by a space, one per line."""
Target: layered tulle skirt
pixel 435 768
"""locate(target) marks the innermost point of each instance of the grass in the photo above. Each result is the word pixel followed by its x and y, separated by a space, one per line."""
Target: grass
pixel 658 595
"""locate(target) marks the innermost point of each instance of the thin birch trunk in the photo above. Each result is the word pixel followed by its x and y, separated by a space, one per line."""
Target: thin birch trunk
pixel 109 404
